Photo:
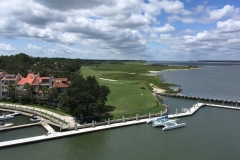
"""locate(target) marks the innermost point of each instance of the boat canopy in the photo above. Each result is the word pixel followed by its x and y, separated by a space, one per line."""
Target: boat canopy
pixel 33 116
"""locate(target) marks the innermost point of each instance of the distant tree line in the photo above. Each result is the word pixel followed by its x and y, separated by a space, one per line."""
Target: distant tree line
pixel 84 97
pixel 57 67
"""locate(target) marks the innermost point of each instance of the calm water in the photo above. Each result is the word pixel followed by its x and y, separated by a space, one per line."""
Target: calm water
pixel 211 133
pixel 214 82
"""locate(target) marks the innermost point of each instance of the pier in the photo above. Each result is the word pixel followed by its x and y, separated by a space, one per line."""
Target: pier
pixel 209 100
pixel 80 129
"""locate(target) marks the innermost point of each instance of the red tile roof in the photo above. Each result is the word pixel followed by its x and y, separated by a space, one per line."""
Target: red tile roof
pixel 36 82
pixel 29 79
pixel 60 83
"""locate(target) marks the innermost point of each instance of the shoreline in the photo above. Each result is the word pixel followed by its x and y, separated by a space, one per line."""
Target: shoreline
pixel 168 70
pixel 157 89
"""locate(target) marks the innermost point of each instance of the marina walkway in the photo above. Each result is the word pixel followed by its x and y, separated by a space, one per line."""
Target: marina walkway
pixel 52 134
pixel 195 107
pixel 48 127
pixel 70 120
pixel 67 133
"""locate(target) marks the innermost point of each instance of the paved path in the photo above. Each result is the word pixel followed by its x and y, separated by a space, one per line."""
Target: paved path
pixel 69 119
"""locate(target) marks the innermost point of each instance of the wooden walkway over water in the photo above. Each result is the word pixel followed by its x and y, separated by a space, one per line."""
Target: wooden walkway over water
pixel 85 129
pixel 209 100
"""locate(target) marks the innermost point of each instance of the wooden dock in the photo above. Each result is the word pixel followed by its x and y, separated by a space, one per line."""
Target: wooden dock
pixel 207 100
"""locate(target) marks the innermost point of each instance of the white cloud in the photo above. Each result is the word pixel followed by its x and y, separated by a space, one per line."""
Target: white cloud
pixel 71 50
pixel 217 14
pixel 173 7
pixel 117 28
pixel 32 47
pixel 228 26
pixel 165 28
pixel 183 19
pixel 6 47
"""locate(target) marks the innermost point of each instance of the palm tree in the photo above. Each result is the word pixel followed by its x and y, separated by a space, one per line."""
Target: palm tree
pixel 29 88
pixel 11 89
pixel 44 90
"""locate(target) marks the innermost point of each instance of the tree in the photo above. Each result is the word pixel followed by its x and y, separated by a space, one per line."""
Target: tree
pixel 44 90
pixel 85 97
pixel 52 93
pixel 11 89
pixel 29 88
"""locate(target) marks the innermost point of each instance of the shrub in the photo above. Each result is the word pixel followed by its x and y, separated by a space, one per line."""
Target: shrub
pixel 142 88
pixel 3 99
pixel 24 100
pixel 8 99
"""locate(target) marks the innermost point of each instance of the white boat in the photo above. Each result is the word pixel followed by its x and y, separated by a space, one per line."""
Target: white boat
pixel 6 116
pixel 163 122
pixel 34 118
pixel 3 124
pixel 156 118
pixel 173 126
pixel 16 113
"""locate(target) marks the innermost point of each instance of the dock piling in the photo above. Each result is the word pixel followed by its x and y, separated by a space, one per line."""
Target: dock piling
pixel 61 127
pixel 176 111
pixel 123 119
pixel 149 115
pixel 108 121
pixel 75 126
pixel 161 113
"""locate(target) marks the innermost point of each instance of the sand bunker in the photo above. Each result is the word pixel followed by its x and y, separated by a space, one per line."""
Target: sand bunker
pixel 108 79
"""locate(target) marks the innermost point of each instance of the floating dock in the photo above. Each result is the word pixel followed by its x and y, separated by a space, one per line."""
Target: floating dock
pixel 195 107
pixel 67 133
pixel 121 123
pixel 48 127
pixel 19 126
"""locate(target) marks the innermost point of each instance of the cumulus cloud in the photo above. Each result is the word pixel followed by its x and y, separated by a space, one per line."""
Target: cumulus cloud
pixel 71 50
pixel 6 47
pixel 116 28
pixel 165 28
pixel 217 14
pixel 207 14
pixel 32 47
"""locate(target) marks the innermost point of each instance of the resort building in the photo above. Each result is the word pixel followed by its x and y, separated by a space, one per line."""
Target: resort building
pixel 37 88
pixel 8 79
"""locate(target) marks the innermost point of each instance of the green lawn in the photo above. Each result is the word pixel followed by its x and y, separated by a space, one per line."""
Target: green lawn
pixel 126 93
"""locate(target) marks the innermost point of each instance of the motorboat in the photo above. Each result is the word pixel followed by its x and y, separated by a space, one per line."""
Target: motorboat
pixel 163 122
pixel 34 118
pixel 4 124
pixel 156 119
pixel 16 113
pixel 173 126
pixel 6 116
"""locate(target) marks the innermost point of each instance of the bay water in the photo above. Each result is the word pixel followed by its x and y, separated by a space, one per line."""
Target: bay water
pixel 211 133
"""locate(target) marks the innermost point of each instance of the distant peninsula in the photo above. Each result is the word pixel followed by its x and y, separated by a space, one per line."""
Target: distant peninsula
pixel 226 61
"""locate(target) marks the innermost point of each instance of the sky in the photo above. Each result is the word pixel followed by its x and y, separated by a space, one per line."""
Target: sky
pixel 160 30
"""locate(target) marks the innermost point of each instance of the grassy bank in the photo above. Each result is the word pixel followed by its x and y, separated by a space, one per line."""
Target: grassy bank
pixel 130 93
